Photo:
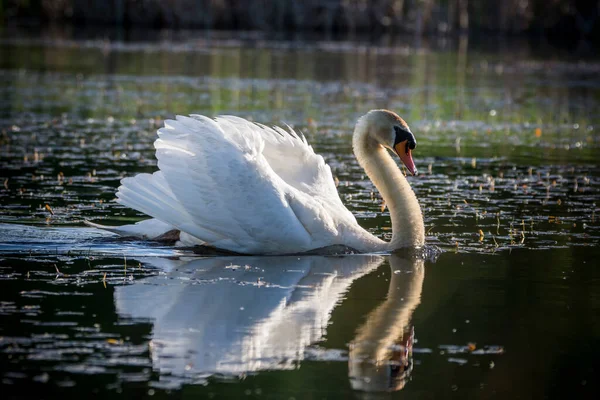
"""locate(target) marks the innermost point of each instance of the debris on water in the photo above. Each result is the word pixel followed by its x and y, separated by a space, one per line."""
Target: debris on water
pixel 232 267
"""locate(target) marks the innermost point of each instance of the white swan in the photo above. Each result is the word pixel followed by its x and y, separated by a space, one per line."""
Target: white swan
pixel 247 188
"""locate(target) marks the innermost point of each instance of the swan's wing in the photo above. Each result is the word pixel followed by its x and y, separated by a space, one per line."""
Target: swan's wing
pixel 216 184
pixel 291 157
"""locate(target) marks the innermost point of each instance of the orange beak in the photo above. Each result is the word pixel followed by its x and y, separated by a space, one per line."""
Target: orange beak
pixel 404 153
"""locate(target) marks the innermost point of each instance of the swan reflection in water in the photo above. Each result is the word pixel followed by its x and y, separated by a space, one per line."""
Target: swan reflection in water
pixel 380 357
pixel 233 315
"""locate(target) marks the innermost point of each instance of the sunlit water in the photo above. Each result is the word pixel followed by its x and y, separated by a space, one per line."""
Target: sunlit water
pixel 509 185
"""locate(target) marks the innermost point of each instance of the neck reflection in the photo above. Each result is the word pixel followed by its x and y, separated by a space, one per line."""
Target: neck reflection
pixel 380 357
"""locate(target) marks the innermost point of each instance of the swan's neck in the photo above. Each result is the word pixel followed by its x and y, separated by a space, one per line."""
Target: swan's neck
pixel 407 220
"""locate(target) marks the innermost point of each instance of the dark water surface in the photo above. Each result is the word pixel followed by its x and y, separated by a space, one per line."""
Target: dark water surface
pixel 509 185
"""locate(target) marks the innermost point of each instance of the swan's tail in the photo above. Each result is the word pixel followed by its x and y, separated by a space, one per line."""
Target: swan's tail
pixel 150 194
pixel 150 229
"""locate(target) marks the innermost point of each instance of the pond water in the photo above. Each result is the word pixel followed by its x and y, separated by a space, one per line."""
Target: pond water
pixel 509 186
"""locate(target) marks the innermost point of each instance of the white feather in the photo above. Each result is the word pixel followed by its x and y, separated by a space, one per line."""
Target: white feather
pixel 240 186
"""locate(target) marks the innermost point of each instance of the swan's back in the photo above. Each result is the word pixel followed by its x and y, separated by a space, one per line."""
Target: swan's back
pixel 241 186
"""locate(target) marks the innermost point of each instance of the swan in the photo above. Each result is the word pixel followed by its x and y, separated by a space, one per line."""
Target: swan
pixel 243 187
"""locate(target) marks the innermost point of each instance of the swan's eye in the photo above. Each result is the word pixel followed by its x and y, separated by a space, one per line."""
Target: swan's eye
pixel 403 134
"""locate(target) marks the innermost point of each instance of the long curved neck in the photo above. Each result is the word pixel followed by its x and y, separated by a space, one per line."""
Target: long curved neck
pixel 407 220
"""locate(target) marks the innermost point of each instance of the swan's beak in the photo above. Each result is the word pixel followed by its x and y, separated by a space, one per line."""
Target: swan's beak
pixel 403 152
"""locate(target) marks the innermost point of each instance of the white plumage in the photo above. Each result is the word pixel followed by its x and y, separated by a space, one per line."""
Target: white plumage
pixel 243 187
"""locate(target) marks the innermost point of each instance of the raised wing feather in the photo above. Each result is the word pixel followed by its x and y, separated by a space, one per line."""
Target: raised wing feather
pixel 294 160
pixel 239 186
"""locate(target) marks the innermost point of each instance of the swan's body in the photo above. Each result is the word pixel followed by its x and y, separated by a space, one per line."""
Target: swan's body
pixel 248 188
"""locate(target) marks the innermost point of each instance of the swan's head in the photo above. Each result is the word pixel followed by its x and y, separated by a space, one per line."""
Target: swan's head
pixel 387 129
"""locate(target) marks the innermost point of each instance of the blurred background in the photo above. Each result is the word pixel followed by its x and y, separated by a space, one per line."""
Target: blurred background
pixel 553 20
